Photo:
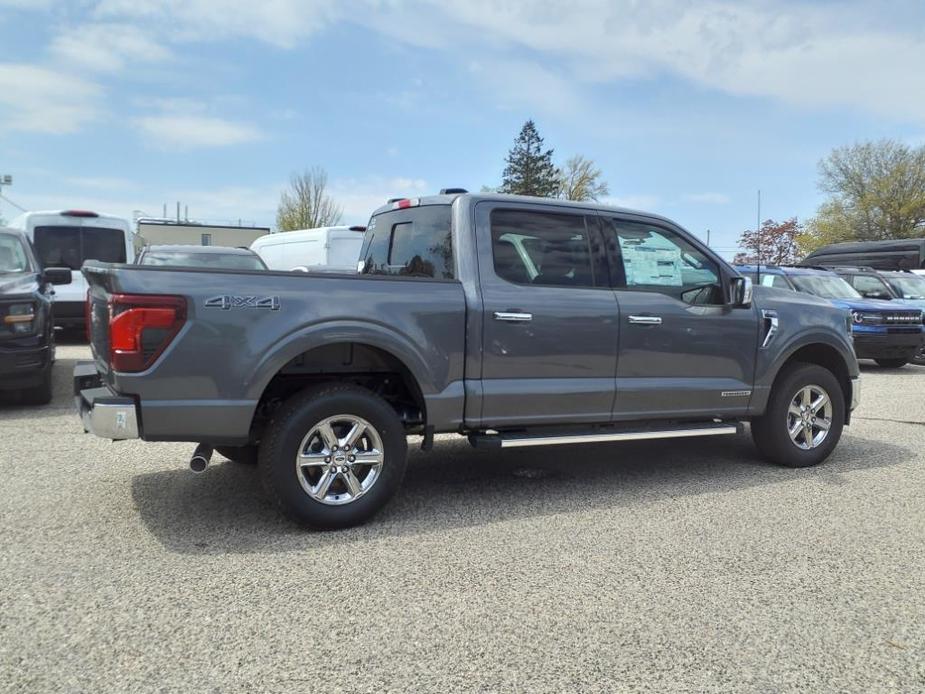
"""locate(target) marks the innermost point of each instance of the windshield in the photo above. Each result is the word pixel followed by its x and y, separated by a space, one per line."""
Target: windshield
pixel 826 286
pixel 221 261
pixel 910 287
pixel 70 246
pixel 13 256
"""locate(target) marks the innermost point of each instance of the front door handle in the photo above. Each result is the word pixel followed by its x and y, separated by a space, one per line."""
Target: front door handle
pixel 513 317
pixel 646 320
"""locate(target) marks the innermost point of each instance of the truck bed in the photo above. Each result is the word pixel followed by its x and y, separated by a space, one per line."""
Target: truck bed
pixel 242 327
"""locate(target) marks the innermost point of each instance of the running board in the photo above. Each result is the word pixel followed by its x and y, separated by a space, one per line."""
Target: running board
pixel 521 439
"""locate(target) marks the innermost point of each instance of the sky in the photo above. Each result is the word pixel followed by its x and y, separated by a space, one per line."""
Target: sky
pixel 689 108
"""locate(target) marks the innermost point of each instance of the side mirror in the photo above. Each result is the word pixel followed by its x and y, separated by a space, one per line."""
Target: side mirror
pixel 57 275
pixel 741 293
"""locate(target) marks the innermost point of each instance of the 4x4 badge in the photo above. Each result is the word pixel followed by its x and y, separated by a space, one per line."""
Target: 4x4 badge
pixel 226 302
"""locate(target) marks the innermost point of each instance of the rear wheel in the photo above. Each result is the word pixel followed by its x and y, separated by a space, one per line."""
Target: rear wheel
pixel 891 363
pixel 332 457
pixel 804 418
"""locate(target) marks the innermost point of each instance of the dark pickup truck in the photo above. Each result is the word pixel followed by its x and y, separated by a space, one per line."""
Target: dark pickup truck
pixel 514 321
pixel 27 338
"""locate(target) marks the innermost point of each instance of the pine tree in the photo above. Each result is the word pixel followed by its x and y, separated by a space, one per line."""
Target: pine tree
pixel 529 169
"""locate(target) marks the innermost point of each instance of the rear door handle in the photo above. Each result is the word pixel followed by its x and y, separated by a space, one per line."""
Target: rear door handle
pixel 513 317
pixel 646 320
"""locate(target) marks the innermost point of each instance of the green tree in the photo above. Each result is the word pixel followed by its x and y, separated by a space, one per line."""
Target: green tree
pixel 307 205
pixel 580 180
pixel 529 169
pixel 876 191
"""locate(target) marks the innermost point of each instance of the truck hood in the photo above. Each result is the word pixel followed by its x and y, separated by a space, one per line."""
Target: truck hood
pixel 866 304
pixel 18 284
pixel 917 303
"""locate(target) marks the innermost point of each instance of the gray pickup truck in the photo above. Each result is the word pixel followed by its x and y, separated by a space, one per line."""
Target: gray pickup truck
pixel 514 321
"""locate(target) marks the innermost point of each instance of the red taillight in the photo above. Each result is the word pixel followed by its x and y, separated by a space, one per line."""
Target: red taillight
pixel 79 213
pixel 140 328
pixel 88 313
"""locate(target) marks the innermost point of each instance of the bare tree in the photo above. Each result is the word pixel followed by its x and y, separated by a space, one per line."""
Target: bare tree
pixel 580 179
pixel 306 204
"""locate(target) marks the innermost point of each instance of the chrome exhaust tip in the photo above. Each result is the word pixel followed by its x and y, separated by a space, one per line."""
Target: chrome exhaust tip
pixel 201 457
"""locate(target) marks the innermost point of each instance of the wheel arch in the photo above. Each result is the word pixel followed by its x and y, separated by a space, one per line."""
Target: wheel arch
pixel 824 354
pixel 341 351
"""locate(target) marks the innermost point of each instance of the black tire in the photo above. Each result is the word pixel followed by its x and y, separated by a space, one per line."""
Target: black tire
pixel 246 455
pixel 293 422
pixel 891 363
pixel 40 394
pixel 769 431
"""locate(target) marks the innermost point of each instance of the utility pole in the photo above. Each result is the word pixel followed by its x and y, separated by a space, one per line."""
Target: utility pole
pixel 708 238
pixel 5 180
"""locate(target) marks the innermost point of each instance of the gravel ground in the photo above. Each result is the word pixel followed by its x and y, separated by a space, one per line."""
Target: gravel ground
pixel 662 566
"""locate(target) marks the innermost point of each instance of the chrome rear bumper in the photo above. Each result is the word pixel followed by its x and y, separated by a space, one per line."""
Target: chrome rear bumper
pixel 103 413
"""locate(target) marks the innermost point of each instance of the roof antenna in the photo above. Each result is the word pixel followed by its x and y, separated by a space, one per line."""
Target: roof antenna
pixel 758 239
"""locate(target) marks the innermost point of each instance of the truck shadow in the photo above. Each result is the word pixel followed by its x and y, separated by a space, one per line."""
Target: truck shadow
pixel 226 512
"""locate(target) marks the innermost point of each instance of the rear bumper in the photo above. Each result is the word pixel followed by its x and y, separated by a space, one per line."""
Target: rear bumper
pixel 888 346
pixel 23 368
pixel 102 412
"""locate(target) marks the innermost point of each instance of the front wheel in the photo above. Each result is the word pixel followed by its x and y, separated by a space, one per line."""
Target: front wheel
pixel 804 418
pixel 891 363
pixel 332 457
pixel 42 393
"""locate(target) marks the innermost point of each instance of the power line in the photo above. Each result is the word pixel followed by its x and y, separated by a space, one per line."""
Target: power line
pixel 18 207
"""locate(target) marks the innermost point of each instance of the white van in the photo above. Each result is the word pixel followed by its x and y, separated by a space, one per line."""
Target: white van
pixel 66 238
pixel 332 249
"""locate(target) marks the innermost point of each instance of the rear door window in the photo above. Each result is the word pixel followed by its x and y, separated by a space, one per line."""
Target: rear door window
pixel 412 242
pixel 63 246
pixel 541 248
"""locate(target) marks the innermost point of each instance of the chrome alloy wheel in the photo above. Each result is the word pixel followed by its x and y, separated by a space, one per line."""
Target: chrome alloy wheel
pixel 340 459
pixel 809 417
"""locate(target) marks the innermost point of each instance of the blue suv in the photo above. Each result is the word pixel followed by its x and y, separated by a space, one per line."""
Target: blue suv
pixel 889 332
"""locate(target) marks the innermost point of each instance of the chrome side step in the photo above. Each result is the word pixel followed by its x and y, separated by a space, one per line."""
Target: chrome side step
pixel 522 439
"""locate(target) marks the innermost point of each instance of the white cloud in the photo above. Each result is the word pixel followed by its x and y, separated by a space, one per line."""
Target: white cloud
pixel 832 56
pixel 107 47
pixel 39 99
pixel 544 54
pixel 280 22
pixel 706 198
pixel 177 131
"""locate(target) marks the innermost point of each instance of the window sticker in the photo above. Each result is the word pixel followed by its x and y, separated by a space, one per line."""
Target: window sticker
pixel 650 265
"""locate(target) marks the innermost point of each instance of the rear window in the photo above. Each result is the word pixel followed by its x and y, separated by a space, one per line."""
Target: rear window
pixel 219 261
pixel 412 242
pixel 64 246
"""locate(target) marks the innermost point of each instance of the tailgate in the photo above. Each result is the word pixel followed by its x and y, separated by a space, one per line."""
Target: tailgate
pixel 99 284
